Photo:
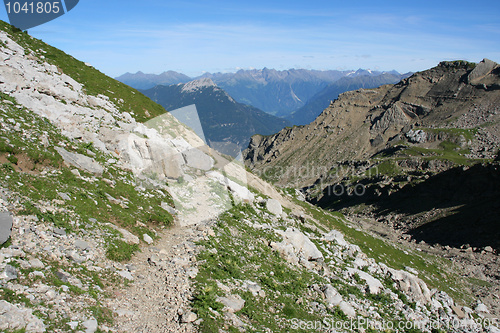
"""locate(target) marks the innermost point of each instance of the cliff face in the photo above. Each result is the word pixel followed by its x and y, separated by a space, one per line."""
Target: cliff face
pixel 362 123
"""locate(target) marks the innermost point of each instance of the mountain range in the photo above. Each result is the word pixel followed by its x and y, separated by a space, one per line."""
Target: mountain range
pixel 316 104
pixel 227 124
pixel 279 93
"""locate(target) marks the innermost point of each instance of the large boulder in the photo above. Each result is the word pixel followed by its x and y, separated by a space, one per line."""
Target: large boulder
pixel 274 207
pixel 5 226
pixel 303 247
pixel 80 161
pixel 373 285
pixel 232 303
pixel 332 295
pixel 336 237
pixel 412 286
pixel 197 159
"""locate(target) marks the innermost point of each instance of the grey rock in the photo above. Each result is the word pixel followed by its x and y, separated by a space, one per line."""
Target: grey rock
pixel 254 288
pixel 197 159
pixel 168 208
pixel 147 239
pixel 188 317
pixel 192 272
pixel 274 207
pixel 332 295
pixel 347 309
pixel 128 237
pixel 418 136
pixel 233 303
pixel 80 161
pixel 59 231
pixel 337 237
pixel 6 222
pixel 90 325
pixel 302 244
pixel 9 273
pixel 126 275
pixel 82 245
pixel 36 263
pixel 63 276
pixel 64 196
pixel 488 249
pixel 374 286
pixel 76 257
pixel 482 308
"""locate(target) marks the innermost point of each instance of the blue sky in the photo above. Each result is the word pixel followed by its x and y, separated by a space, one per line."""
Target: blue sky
pixel 220 36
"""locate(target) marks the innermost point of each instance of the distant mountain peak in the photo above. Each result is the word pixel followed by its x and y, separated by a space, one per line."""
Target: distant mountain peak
pixel 198 84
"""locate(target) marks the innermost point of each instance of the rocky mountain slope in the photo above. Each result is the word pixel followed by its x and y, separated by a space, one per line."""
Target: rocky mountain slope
pixel 227 124
pixel 316 104
pixel 91 192
pixel 415 159
pixel 454 105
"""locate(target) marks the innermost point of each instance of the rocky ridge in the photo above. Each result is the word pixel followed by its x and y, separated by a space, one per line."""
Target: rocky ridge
pixel 362 123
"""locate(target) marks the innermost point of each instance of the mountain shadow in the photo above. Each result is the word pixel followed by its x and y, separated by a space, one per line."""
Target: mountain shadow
pixel 455 207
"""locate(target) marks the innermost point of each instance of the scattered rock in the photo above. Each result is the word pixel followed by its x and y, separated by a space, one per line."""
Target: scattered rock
pixel 16 318
pixel 80 161
pixel 90 325
pixel 9 273
pixel 332 295
pixel 147 239
pixel 188 317
pixel 6 222
pixel 233 303
pixel 274 207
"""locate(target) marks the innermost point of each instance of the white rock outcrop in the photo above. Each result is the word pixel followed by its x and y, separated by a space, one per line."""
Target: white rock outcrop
pixel 296 247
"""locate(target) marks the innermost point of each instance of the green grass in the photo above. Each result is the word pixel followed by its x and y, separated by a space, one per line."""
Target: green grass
pixel 119 250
